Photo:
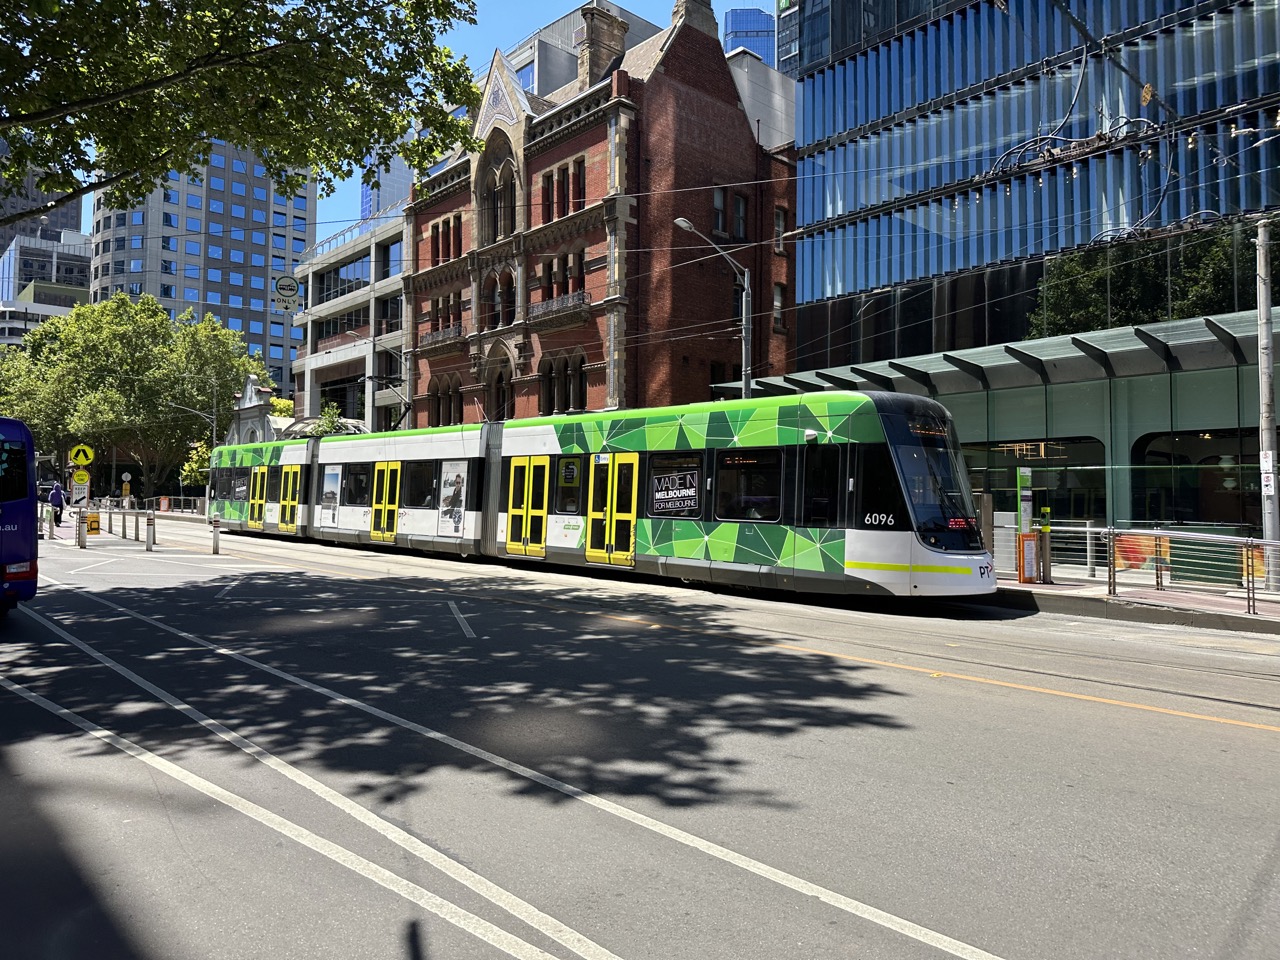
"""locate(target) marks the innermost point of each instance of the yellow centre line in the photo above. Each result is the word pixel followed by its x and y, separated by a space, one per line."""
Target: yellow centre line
pixel 1049 691
pixel 988 681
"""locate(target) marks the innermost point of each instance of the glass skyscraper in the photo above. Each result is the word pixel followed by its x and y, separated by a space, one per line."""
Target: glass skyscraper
pixel 953 154
pixel 752 29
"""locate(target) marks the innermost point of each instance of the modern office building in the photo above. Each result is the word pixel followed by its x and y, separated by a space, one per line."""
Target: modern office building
pixel 973 175
pixel 752 29
pixel 354 337
pixel 213 243
pixel 788 44
pixel 549 274
pixel 41 276
pixel 30 197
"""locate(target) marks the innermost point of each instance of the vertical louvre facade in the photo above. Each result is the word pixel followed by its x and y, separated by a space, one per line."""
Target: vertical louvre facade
pixel 947 149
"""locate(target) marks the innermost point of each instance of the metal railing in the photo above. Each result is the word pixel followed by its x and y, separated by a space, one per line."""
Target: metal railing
pixel 1158 562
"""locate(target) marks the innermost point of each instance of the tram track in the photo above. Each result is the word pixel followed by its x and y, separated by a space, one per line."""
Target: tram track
pixel 796 611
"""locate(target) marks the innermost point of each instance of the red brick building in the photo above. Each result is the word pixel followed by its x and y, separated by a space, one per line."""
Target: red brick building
pixel 548 274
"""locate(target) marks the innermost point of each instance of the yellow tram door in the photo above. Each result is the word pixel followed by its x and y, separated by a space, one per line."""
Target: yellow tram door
pixel 611 509
pixel 290 487
pixel 257 496
pixel 386 501
pixel 527 506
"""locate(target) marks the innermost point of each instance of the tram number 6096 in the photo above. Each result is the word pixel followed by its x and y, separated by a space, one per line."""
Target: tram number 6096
pixel 879 520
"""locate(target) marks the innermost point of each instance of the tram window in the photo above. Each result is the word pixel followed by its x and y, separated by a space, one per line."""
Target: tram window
pixel 749 484
pixel 820 498
pixel 675 485
pixel 418 488
pixel 355 484
pixel 879 505
pixel 240 483
pixel 569 485
pixel 273 484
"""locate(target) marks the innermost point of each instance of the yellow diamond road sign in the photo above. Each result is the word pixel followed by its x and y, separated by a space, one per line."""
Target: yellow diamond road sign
pixel 80 476
pixel 82 454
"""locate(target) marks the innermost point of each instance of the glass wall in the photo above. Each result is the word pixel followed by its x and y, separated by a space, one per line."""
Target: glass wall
pixel 1169 449
pixel 904 185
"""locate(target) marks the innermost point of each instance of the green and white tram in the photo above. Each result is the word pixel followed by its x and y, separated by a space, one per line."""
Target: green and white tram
pixel 835 492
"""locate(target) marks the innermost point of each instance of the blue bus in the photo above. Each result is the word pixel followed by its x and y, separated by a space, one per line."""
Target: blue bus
pixel 18 526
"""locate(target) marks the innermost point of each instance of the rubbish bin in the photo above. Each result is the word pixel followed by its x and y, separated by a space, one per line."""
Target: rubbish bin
pixel 1200 561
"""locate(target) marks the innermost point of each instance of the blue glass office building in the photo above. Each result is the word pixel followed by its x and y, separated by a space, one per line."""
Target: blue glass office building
pixel 948 151
pixel 752 29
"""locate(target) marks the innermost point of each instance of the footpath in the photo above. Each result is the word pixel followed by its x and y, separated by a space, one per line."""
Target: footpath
pixel 1226 610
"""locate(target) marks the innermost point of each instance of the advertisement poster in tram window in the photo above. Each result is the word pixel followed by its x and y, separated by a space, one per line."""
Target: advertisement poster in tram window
pixel 677 482
pixel 453 497
pixel 329 496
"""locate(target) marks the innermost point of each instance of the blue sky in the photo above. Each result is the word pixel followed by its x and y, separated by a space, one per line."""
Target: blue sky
pixel 501 24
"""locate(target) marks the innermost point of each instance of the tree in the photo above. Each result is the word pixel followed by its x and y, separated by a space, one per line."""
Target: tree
pixel 195 472
pixel 124 373
pixel 282 407
pixel 330 421
pixel 136 88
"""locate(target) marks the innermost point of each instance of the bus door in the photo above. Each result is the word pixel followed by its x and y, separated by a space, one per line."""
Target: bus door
pixel 290 484
pixel 386 501
pixel 611 509
pixel 527 506
pixel 257 496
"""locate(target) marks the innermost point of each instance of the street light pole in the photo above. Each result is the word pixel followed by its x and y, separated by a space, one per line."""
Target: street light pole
pixel 744 274
pixel 1267 406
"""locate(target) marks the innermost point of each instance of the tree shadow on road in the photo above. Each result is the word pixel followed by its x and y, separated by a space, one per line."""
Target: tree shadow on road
pixel 653 700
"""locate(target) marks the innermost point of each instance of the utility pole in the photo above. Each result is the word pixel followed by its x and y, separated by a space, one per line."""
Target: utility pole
pixel 1267 405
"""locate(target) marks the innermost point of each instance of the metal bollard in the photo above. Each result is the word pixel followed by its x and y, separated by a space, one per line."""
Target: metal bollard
pixel 216 531
pixel 49 524
pixel 82 530
pixel 1089 562
pixel 1044 547
pixel 137 525
pixel 110 521
pixel 151 530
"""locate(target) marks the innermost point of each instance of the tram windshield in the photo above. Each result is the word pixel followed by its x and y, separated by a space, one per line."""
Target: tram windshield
pixel 936 483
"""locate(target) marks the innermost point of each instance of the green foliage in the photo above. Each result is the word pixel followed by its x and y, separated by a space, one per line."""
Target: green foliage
pixel 195 472
pixel 330 421
pixel 139 87
pixel 1197 274
pixel 124 373
pixel 281 407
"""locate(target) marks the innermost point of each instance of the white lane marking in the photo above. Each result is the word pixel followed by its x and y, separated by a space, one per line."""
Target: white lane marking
pixel 857 908
pixel 518 908
pixel 457 614
pixel 476 926
pixel 228 588
pixel 100 563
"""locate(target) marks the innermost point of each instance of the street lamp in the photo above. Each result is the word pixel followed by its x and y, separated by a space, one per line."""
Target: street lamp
pixel 743 274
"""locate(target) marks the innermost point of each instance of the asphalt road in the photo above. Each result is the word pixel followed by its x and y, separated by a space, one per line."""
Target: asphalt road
pixel 305 751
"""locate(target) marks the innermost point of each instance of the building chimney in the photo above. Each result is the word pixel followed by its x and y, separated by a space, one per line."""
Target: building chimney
pixel 601 43
pixel 698 14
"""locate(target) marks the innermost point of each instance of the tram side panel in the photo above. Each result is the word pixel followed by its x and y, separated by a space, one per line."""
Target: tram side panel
pixel 417 489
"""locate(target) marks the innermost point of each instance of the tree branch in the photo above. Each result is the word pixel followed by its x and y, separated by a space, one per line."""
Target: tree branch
pixel 19 215
pixel 211 62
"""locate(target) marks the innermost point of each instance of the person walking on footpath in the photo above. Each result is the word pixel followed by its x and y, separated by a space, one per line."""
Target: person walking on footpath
pixel 57 500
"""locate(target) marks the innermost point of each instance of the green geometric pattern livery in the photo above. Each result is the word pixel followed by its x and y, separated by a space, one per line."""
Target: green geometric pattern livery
pixel 844 418
pixel 806 548
pixel 249 455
